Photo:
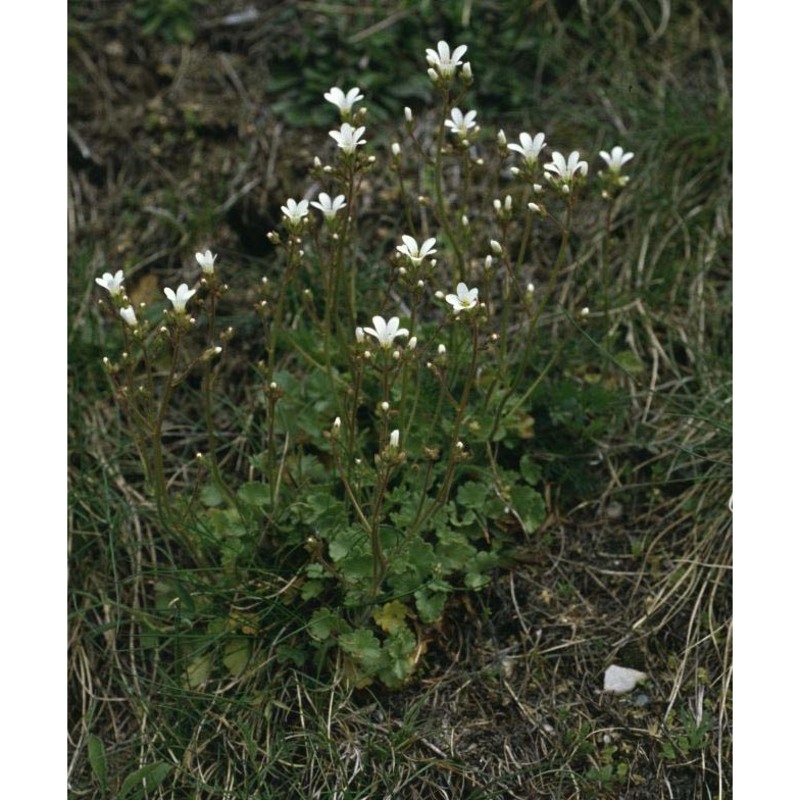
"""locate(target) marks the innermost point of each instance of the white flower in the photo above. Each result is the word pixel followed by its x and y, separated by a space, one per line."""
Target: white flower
pixel 566 169
pixel 461 123
pixel 179 298
pixel 529 148
pixel 413 251
pixel 394 439
pixel 327 206
pixel 112 283
pixel 129 315
pixel 617 158
pixel 386 332
pixel 348 137
pixel 206 261
pixel 463 299
pixel 295 211
pixel 344 102
pixel 441 60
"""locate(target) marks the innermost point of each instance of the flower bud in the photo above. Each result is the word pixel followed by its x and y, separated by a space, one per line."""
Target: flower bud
pixel 394 438
pixel 497 248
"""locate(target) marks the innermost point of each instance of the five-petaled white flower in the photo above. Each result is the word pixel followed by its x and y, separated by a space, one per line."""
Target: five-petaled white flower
pixel 327 206
pixel 386 332
pixel 617 158
pixel 179 298
pixel 463 299
pixel 413 251
pixel 348 137
pixel 529 147
pixel 112 283
pixel 295 211
pixel 206 261
pixel 566 169
pixel 344 102
pixel 441 60
pixel 129 315
pixel 461 123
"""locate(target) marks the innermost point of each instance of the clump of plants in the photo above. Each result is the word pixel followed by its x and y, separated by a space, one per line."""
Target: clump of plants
pixel 386 459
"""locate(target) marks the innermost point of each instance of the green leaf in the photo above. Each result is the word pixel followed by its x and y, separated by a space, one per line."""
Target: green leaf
pixel 472 495
pixel 198 671
pixel 474 580
pixel 255 494
pixel 364 646
pixel 453 551
pixel 97 759
pixel 324 622
pixel 530 471
pixel 211 496
pixel 529 504
pixel 430 605
pixel 146 778
pixel 391 616
pixel 237 656
pixel 629 361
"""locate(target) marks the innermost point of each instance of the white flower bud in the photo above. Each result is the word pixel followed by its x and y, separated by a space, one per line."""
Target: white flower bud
pixel 497 204
pixel 508 203
pixel 317 162
pixel 497 248
pixel 394 438
pixel 536 209
pixel 384 406
pixel 129 315
pixel 433 74
pixel 337 424
pixel 396 149
pixel 441 349
pixel 501 138
pixel 465 221
pixel 412 343
pixel 585 311
pixel 487 264
pixel 359 335
pixel 439 295
pixel 530 288
pixel 466 71
pixel 409 115
pixel 515 171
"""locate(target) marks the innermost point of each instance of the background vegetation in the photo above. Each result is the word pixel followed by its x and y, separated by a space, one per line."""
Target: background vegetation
pixel 190 124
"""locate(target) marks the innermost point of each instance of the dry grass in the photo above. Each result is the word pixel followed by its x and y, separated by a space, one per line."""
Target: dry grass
pixel 173 146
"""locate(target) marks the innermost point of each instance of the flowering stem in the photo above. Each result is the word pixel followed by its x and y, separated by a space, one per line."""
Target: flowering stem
pixel 208 415
pixel 438 181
